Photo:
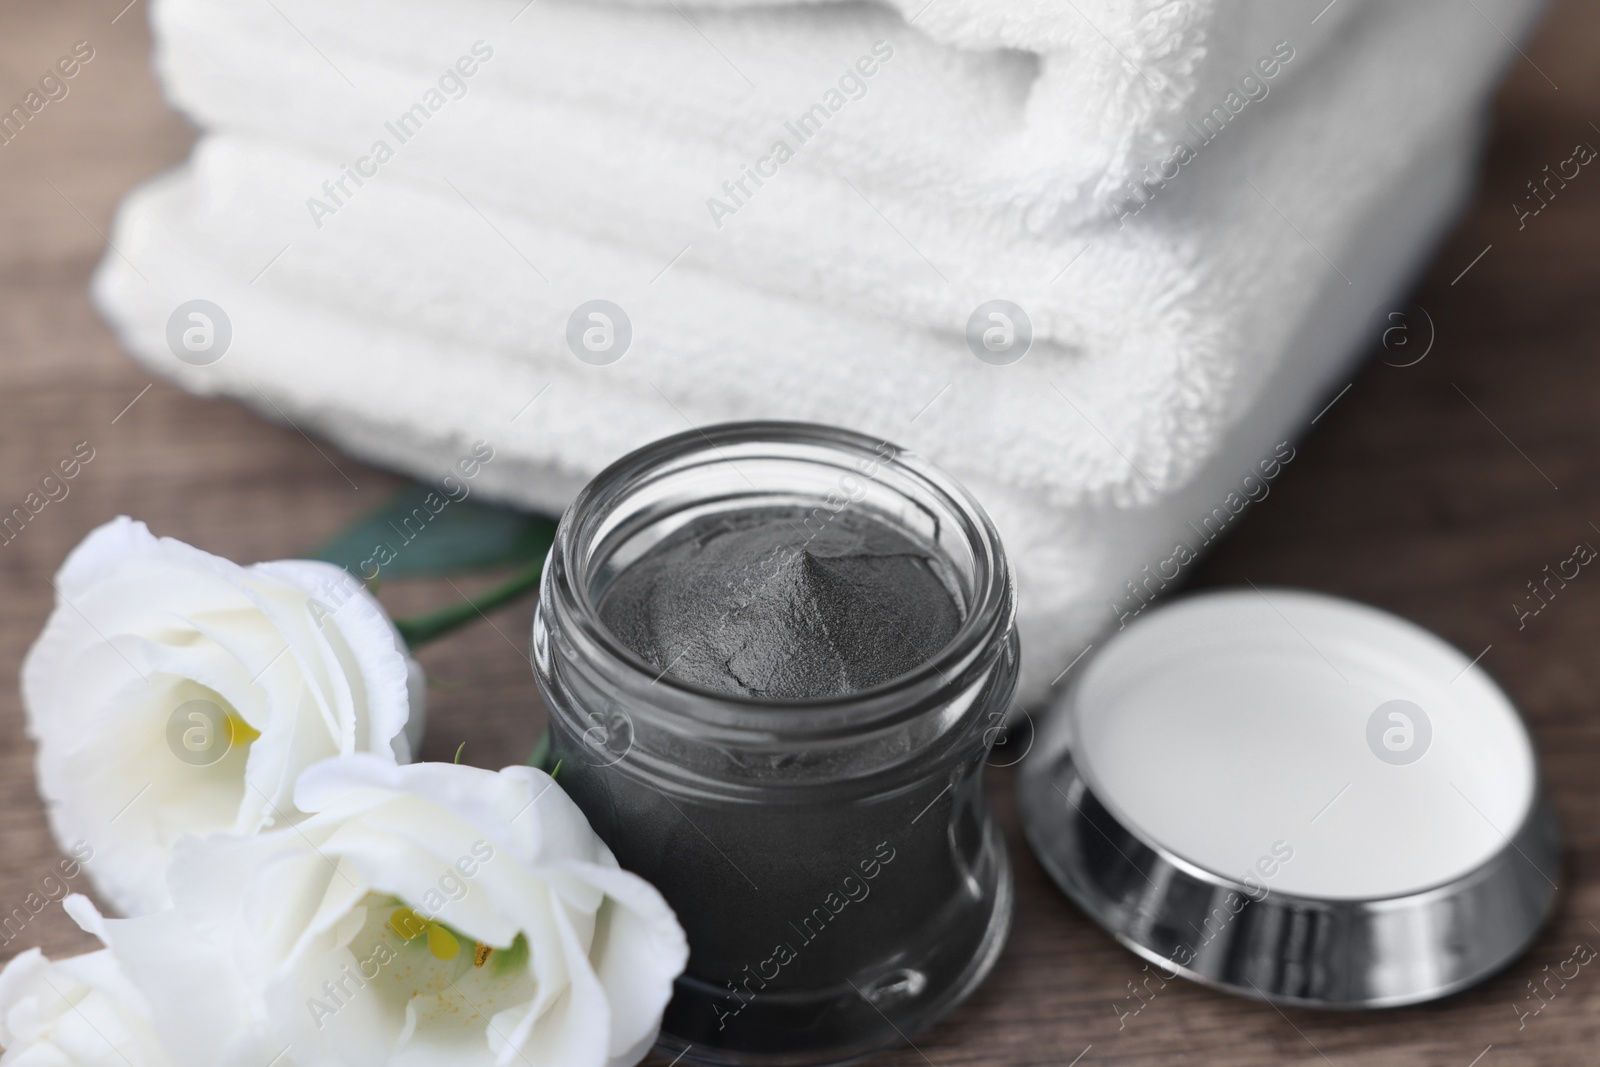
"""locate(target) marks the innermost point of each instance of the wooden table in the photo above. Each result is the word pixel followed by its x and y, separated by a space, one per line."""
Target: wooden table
pixel 1437 490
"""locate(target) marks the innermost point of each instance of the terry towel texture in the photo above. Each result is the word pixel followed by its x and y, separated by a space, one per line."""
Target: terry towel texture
pixel 1181 331
pixel 1041 121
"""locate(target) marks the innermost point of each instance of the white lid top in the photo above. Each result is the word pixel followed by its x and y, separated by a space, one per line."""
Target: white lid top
pixel 1317 746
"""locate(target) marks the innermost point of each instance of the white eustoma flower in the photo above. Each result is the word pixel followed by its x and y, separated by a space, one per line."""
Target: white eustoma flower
pixel 421 915
pixel 79 1012
pixel 174 692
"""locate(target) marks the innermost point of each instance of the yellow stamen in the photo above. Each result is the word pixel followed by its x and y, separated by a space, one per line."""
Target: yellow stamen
pixel 408 924
pixel 481 955
pixel 239 731
pixel 441 942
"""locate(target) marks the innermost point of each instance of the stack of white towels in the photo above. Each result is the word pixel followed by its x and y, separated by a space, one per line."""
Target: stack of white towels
pixel 1203 208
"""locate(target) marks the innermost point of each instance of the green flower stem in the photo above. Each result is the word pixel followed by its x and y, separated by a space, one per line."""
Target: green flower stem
pixel 420 630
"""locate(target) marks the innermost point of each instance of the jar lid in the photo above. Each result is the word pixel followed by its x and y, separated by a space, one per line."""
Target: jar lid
pixel 1297 798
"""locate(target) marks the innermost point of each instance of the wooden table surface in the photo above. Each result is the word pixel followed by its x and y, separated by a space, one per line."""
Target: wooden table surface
pixel 1436 490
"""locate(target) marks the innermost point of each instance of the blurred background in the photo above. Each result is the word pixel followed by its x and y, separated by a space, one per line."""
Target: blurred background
pixel 1437 479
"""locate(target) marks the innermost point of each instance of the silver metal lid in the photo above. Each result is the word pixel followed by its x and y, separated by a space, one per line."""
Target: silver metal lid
pixel 1297 798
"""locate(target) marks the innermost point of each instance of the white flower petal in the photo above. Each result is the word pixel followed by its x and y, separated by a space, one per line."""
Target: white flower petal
pixel 296 661
pixel 200 1009
pixel 77 1012
pixel 392 697
pixel 418 915
pixel 637 951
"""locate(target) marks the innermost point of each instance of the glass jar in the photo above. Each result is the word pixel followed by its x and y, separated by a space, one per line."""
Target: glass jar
pixel 833 862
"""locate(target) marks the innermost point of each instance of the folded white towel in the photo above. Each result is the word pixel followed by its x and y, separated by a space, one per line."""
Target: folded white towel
pixel 1172 354
pixel 1118 81
pixel 1041 120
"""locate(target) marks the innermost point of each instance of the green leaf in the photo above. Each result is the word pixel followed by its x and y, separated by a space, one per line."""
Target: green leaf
pixel 421 531
pixel 540 756
pixel 420 629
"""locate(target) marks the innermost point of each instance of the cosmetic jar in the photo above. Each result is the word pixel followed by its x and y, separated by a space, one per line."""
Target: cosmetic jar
pixel 833 861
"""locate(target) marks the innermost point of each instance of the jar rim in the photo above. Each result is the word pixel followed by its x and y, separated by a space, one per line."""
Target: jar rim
pixel 980 637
